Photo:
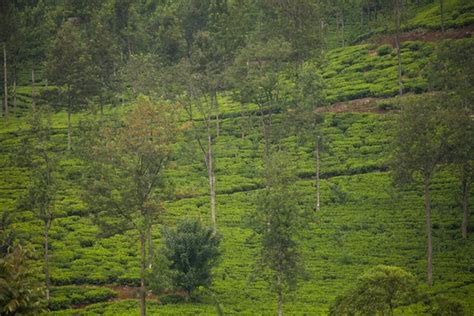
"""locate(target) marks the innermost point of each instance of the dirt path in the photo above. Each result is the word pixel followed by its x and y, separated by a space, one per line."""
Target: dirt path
pixel 364 105
pixel 425 36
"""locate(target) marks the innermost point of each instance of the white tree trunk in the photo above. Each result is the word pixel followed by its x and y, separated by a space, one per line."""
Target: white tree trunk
pixel 397 43
pixel 211 176
pixel 317 175
pixel 428 231
pixel 142 275
pixel 47 225
pixel 33 91
pixel 441 11
pixel 14 92
pixel 5 80
pixel 69 128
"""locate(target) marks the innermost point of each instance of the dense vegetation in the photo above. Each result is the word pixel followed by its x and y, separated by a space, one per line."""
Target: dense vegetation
pixel 236 157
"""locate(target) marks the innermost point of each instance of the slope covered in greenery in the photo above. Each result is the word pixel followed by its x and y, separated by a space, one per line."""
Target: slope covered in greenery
pixel 364 221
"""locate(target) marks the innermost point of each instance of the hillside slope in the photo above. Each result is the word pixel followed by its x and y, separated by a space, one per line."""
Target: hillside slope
pixel 364 220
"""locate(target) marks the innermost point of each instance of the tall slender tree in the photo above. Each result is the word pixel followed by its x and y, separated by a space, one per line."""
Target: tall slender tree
pixel 419 148
pixel 126 166
pixel 69 67
pixel 278 221
pixel 398 6
pixel 256 76
pixel 199 105
pixel 40 197
pixel 453 60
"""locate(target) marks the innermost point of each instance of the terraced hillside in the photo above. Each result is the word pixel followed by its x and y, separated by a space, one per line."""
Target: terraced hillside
pixel 364 220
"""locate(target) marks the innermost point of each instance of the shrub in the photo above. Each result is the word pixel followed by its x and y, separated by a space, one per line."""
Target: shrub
pixel 448 307
pixel 67 296
pixel 172 299
pixel 192 251
pixel 20 292
pixel 412 45
pixel 379 290
pixel 384 50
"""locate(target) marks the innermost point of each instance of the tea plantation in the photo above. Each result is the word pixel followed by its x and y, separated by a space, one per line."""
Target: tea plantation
pixel 364 221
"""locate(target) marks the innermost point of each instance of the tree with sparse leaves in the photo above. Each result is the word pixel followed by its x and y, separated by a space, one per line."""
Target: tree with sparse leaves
pixel 20 291
pixel 419 147
pixel 39 158
pixel 377 292
pixel 278 221
pixel 125 170
pixel 69 67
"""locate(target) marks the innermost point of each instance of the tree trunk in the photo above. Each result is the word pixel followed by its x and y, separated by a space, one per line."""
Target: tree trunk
pixel 280 296
pixel 441 11
pixel 428 230
pixel 242 121
pixel 317 174
pixel 342 29
pixel 47 225
pixel 142 275
pixel 216 107
pixel 150 244
pixel 465 200
pixel 14 90
pixel 69 127
pixel 33 91
pixel 397 43
pixel 211 176
pixel 5 80
pixel 266 133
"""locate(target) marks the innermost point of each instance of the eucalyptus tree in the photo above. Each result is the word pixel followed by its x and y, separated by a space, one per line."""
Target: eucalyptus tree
pixel 38 156
pixel 126 163
pixel 419 147
pixel 69 67
pixel 305 93
pixel 202 77
pixel 278 221
pixel 256 77
pixel 378 291
pixel 7 33
pixel 200 111
pixel 453 60
pixel 398 7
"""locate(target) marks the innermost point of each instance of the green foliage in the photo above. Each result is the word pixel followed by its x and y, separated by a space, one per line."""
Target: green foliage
pixel 67 296
pixel 356 72
pixel 419 145
pixel 457 13
pixel 378 224
pixel 452 59
pixel 278 220
pixel 125 186
pixel 379 290
pixel 448 307
pixel 191 252
pixel 384 50
pixel 69 68
pixel 20 292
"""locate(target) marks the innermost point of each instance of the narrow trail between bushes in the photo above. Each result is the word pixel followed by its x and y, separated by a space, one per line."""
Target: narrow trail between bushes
pixel 425 36
pixel 364 105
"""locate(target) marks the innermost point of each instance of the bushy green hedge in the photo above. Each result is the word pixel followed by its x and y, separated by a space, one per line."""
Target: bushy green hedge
pixel 384 50
pixel 366 71
pixel 67 296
